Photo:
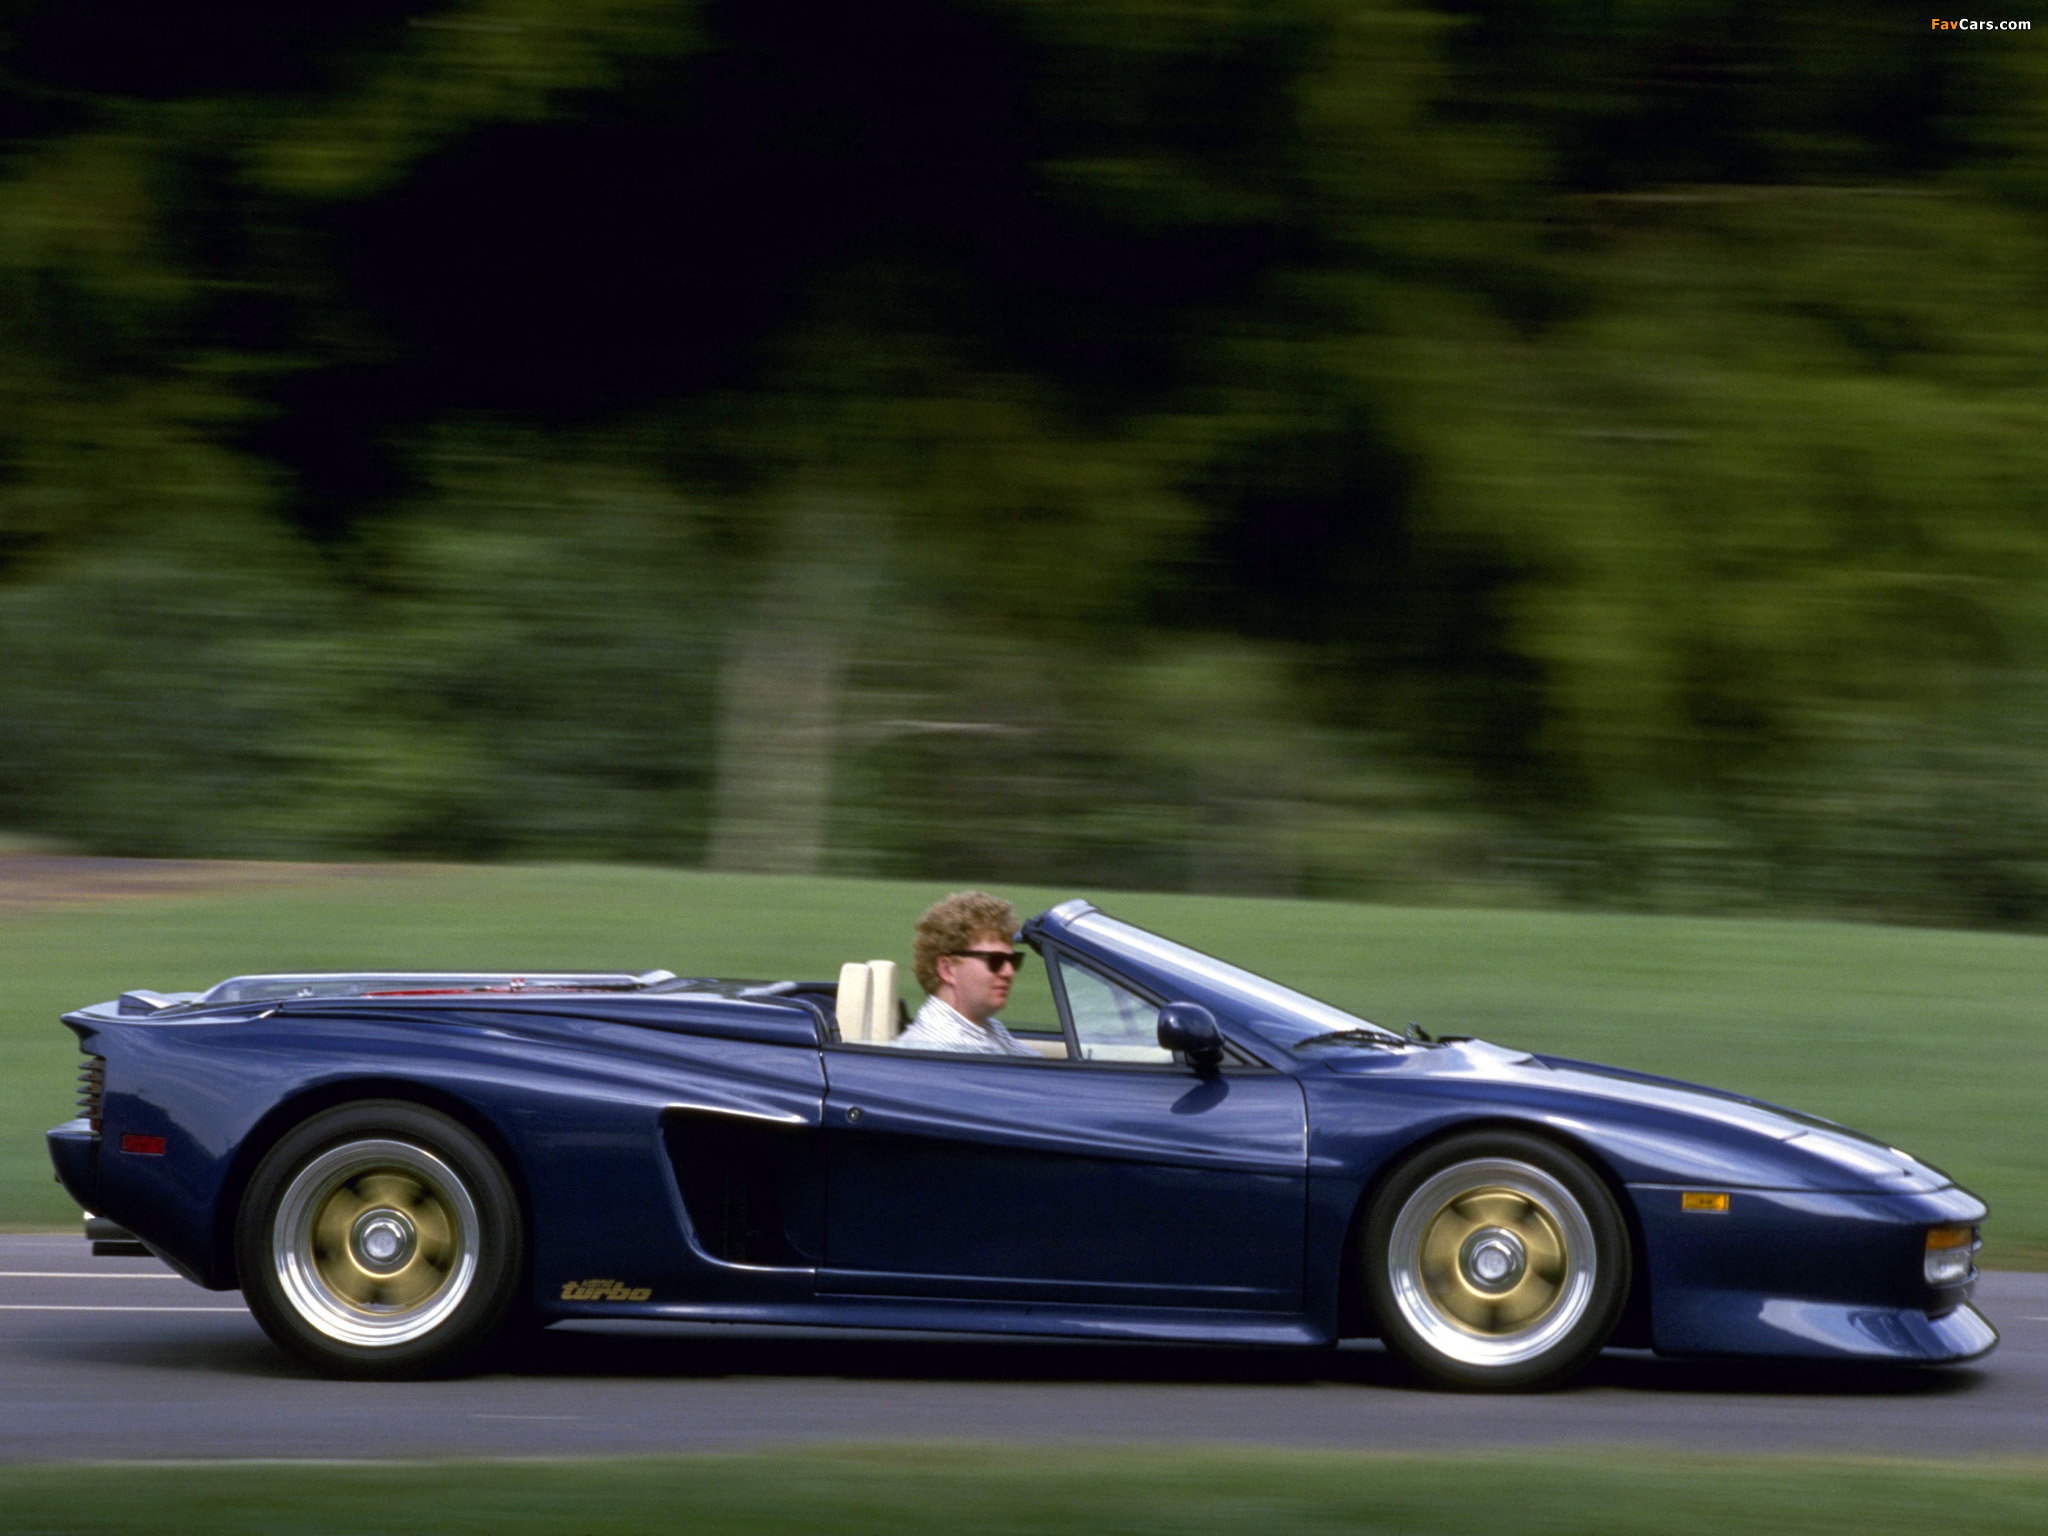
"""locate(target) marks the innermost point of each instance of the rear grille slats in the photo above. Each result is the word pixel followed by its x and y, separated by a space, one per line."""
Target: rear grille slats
pixel 92 1090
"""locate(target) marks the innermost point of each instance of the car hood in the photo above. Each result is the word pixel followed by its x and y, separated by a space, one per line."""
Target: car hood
pixel 1827 1155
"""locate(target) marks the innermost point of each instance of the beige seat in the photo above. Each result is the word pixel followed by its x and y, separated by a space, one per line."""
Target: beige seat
pixel 867 1009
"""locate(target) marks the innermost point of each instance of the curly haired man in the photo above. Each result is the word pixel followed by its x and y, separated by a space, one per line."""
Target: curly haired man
pixel 965 959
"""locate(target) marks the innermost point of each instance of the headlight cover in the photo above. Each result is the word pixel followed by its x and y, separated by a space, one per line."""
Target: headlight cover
pixel 1951 1255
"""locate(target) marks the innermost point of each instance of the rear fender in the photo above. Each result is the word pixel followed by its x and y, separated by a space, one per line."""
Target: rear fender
pixel 301 1107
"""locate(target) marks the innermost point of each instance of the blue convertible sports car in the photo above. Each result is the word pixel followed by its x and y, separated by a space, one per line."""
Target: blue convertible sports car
pixel 395 1169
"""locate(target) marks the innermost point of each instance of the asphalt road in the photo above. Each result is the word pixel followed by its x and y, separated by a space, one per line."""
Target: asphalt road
pixel 118 1358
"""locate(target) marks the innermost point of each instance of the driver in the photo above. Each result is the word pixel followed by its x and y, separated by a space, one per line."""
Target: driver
pixel 965 959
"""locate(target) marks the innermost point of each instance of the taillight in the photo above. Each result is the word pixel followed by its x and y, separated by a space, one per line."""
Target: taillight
pixel 92 1091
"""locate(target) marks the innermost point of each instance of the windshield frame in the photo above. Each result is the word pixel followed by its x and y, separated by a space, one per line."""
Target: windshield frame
pixel 1279 1015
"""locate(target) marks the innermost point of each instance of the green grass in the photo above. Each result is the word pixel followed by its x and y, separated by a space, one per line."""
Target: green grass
pixel 1930 1039
pixel 972 1489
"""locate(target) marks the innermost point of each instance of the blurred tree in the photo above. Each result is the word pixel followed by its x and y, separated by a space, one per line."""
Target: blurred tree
pixel 1270 446
pixel 1786 492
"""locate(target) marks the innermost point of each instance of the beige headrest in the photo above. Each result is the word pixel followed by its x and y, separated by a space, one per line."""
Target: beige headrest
pixel 867 1002
pixel 852 1003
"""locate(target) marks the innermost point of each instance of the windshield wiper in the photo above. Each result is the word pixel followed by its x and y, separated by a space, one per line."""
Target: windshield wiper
pixel 1379 1037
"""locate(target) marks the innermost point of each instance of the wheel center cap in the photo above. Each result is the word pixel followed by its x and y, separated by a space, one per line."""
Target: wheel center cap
pixel 1493 1260
pixel 382 1241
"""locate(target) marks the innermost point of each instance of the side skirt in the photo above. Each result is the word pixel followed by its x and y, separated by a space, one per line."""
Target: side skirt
pixel 1161 1324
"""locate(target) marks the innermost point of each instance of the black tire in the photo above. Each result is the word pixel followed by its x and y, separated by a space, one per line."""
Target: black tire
pixel 380 1240
pixel 1496 1260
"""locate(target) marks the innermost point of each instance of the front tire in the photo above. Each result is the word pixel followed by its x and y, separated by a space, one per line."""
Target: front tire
pixel 380 1239
pixel 1496 1260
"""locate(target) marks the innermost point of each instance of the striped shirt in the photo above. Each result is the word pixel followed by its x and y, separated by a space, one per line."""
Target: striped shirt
pixel 941 1027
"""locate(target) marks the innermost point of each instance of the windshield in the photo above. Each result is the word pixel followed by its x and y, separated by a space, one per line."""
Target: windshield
pixel 1281 1014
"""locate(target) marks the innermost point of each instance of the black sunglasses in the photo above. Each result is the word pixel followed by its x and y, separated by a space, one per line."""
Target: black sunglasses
pixel 995 959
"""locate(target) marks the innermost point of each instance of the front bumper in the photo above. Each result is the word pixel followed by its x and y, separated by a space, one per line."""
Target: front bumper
pixel 1800 1274
pixel 1734 1323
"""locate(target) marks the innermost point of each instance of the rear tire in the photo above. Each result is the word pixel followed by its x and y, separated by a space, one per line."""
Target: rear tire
pixel 1497 1261
pixel 380 1239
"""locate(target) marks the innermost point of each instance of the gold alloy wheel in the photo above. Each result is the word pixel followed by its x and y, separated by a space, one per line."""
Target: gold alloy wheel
pixel 1492 1262
pixel 375 1242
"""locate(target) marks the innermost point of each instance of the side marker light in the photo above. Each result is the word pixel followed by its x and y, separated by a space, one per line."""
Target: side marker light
pixel 148 1146
pixel 1702 1200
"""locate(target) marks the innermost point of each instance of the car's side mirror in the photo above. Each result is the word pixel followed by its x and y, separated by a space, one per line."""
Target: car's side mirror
pixel 1190 1029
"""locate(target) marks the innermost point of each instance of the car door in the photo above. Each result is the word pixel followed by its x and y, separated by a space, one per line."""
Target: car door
pixel 1115 1176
